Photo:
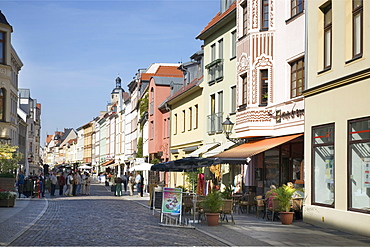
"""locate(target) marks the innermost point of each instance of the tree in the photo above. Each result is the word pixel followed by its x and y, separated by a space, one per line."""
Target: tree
pixel 9 158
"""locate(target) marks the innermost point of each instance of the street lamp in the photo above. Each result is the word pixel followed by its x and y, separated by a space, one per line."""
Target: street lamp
pixel 227 127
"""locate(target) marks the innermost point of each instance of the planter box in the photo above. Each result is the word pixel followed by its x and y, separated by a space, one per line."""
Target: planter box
pixel 7 184
pixel 7 202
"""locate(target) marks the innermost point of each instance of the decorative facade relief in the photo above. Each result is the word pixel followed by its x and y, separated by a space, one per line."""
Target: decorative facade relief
pixel 271 13
pixel 254 116
pixel 261 62
pixel 254 14
pixel 243 64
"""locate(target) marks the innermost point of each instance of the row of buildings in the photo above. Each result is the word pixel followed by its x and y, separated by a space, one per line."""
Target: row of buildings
pixel 20 114
pixel 281 74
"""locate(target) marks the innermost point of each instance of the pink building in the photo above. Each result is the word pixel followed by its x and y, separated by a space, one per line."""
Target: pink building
pixel 162 83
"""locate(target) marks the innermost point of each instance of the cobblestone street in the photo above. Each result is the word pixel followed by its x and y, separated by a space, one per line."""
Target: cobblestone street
pixel 104 220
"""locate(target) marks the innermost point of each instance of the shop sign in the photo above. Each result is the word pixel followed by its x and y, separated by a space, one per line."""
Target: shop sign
pixel 285 115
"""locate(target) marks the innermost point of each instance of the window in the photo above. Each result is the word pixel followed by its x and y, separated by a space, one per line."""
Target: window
pixel 233 44
pixel 245 18
pixel 190 118
pixel 196 117
pixel 151 106
pixel 152 130
pixel 265 15
pixel 244 89
pixel 2 104
pixel 168 127
pixel 233 99
pixel 183 120
pixel 359 164
pixel 213 52
pixel 357 33
pixel 2 47
pixel 323 165
pixel 175 124
pixel 297 78
pixel 264 87
pixel 296 6
pixel 327 36
pixel 221 49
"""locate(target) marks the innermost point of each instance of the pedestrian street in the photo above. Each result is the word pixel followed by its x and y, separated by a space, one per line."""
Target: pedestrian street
pixel 100 219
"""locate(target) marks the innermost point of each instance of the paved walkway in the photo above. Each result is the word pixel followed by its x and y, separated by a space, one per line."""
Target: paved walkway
pixel 24 221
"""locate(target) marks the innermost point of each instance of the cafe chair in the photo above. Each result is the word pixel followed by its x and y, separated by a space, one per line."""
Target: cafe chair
pixel 260 206
pixel 247 202
pixel 227 208
pixel 274 208
pixel 187 204
pixel 297 204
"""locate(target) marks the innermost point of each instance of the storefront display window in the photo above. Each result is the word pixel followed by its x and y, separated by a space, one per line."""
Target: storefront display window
pixel 323 165
pixel 272 168
pixel 359 165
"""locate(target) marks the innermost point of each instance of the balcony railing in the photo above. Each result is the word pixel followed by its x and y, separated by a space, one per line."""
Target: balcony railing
pixel 215 71
pixel 215 123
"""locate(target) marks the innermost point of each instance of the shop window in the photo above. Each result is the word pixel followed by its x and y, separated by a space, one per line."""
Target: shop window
pixel 323 165
pixel 359 165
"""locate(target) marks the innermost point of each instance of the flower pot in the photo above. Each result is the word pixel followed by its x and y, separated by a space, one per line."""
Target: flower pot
pixel 7 202
pixel 212 218
pixel 286 218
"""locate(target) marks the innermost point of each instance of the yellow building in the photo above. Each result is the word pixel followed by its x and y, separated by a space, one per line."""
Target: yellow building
pixel 337 116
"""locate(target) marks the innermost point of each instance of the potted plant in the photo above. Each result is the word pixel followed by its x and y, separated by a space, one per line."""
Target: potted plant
pixel 7 198
pixel 9 158
pixel 284 196
pixel 211 205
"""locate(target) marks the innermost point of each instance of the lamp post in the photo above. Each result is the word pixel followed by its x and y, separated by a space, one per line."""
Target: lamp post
pixel 227 127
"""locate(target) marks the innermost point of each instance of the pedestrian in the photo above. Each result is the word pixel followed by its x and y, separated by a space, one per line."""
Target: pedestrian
pixel 88 181
pixel 79 183
pixel 54 181
pixel 131 182
pixel 61 182
pixel 20 183
pixel 138 182
pixel 74 185
pixel 69 191
pixel 42 184
pixel 83 185
pixel 118 181
pixel 124 181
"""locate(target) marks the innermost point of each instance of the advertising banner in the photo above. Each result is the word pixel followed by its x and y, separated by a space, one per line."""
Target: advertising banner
pixel 172 200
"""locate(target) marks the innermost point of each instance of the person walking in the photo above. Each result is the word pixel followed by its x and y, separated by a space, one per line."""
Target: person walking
pixel 83 177
pixel 54 181
pixel 42 181
pixel 74 185
pixel 79 183
pixel 124 181
pixel 62 182
pixel 88 182
pixel 69 190
pixel 131 182
pixel 118 181
pixel 20 183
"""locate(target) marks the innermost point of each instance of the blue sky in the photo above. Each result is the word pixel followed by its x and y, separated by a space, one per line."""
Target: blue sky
pixel 73 50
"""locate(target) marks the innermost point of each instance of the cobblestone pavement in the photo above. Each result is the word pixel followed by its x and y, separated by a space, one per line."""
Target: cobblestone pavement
pixel 104 220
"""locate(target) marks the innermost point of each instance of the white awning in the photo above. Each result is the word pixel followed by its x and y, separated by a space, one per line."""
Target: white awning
pixel 219 149
pixel 141 167
pixel 203 149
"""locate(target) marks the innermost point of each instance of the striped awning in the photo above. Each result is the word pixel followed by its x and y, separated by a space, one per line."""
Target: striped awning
pixel 203 149
pixel 107 163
